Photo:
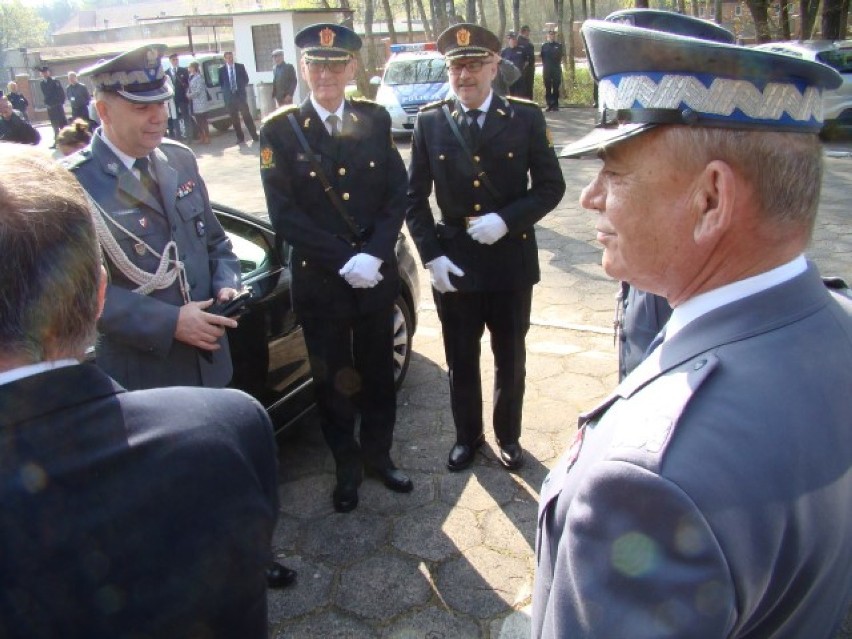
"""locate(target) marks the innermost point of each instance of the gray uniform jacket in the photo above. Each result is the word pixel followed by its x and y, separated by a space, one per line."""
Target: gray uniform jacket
pixel 709 495
pixel 137 345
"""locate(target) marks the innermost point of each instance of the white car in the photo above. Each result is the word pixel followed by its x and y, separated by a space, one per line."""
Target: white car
pixel 414 75
pixel 837 104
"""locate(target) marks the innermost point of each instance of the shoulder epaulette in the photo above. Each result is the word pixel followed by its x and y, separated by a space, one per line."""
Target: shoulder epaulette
pixel 282 110
pixel 364 101
pixel 517 100
pixel 76 160
pixel 435 105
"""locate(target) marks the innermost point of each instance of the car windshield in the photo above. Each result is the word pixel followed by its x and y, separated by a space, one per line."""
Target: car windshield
pixel 840 59
pixel 416 71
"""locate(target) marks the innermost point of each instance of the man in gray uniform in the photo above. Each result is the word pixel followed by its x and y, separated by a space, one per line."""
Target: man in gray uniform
pixel 709 495
pixel 169 258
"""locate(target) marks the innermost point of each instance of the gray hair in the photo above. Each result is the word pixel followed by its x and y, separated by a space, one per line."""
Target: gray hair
pixel 51 264
pixel 784 168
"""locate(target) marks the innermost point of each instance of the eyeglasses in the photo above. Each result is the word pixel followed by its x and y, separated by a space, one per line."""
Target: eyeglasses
pixel 315 66
pixel 475 66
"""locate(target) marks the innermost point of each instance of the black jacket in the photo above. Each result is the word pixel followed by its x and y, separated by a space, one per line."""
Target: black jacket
pixel 54 94
pixel 513 147
pixel 17 129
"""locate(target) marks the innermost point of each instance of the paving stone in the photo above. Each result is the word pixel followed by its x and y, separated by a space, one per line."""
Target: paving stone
pixel 311 591
pixel 433 623
pixel 517 625
pixel 479 490
pixel 383 586
pixel 341 539
pixel 511 529
pixel 436 531
pixel 327 625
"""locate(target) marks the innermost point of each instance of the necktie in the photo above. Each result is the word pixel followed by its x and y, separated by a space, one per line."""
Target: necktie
pixel 333 125
pixel 231 79
pixel 474 114
pixel 145 177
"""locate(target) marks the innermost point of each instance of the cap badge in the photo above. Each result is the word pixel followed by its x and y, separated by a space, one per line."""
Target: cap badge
pixel 326 37
pixel 153 58
pixel 463 37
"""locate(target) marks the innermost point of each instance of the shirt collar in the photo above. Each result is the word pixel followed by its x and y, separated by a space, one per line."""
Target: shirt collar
pixel 486 104
pixel 126 160
pixel 324 113
pixel 702 304
pixel 13 375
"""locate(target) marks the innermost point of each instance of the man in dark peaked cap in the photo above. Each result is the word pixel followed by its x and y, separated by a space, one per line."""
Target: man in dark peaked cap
pixel 708 495
pixel 54 99
pixel 168 257
pixel 495 175
pixel 335 191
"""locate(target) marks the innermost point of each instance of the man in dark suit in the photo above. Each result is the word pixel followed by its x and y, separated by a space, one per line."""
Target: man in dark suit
pixel 517 55
pixel 551 61
pixel 335 190
pixel 480 151
pixel 13 126
pixel 529 69
pixel 283 79
pixel 145 513
pixel 180 81
pixel 54 99
pixel 234 80
pixel 708 496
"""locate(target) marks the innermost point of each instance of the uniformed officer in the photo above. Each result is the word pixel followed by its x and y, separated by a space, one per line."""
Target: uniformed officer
pixel 168 257
pixel 551 61
pixel 335 190
pixel 708 496
pixel 517 55
pixel 495 175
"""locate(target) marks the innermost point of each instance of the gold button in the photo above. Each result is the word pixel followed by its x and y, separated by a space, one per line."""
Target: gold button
pixel 313 174
pixel 511 155
pixel 524 236
pixel 476 183
pixel 372 164
pixel 441 157
pixel 476 157
pixel 476 207
pixel 341 171
pixel 304 263
pixel 346 196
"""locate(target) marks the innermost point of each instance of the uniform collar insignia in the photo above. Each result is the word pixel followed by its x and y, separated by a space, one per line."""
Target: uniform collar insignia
pixel 306 123
pixel 186 188
pixel 501 112
pixel 112 167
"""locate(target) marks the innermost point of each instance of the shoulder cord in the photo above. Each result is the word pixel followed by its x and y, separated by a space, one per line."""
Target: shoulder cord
pixel 169 269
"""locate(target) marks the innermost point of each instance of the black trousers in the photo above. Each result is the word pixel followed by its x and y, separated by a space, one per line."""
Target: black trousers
pixel 464 317
pixel 352 364
pixel 56 114
pixel 552 82
pixel 239 107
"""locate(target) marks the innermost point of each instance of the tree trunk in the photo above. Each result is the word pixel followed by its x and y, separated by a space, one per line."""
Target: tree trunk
pixel 717 11
pixel 427 26
pixel 681 6
pixel 516 15
pixel 569 43
pixel 470 13
pixel 695 7
pixel 592 9
pixel 584 10
pixel 501 19
pixel 642 4
pixel 760 14
pixel 786 32
pixel 408 18
pixel 808 12
pixel 844 19
pixel 831 12
pixel 482 21
pixel 370 64
pixel 389 19
pixel 439 15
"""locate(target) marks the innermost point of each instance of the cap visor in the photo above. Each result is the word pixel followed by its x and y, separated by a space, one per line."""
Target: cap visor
pixel 146 97
pixel 601 138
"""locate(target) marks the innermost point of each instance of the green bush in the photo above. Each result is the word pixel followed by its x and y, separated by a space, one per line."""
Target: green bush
pixel 581 93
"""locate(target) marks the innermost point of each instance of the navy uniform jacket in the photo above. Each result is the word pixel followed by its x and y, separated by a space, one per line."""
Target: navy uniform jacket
pixel 54 94
pixel 711 495
pixel 137 345
pixel 551 57
pixel 516 153
pixel 145 514
pixel 18 129
pixel 367 173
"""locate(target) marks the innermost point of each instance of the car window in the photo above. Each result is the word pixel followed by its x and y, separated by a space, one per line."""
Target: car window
pixel 250 246
pixel 211 72
pixel 416 71
pixel 839 59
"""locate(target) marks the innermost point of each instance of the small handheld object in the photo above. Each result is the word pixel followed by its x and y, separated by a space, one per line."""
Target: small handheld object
pixel 233 307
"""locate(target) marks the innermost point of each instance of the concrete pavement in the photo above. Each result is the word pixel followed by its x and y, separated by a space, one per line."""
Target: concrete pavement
pixel 454 558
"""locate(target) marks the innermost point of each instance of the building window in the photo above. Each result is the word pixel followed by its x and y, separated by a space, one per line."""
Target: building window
pixel 738 10
pixel 266 38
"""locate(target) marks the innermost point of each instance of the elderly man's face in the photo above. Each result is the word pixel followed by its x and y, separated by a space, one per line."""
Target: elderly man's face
pixel 327 80
pixel 646 212
pixel 136 129
pixel 5 108
pixel 470 79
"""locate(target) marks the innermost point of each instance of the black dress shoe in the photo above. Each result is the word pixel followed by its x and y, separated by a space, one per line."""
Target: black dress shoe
pixel 279 576
pixel 461 455
pixel 393 478
pixel 345 496
pixel 512 456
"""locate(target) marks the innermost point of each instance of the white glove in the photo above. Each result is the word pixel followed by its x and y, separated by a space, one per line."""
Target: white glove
pixel 440 268
pixel 362 271
pixel 487 229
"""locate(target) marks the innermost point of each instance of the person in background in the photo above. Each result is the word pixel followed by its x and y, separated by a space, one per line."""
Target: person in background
pixel 482 253
pixel 529 66
pixel 54 99
pixel 13 126
pixel 551 61
pixel 335 191
pixel 199 103
pixel 708 496
pixel 78 96
pixel 180 124
pixel 234 80
pixel 145 513
pixel 507 75
pixel 283 79
pixel 74 137
pixel 18 101
pixel 517 55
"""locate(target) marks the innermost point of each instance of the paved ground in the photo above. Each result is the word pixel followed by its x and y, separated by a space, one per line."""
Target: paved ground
pixel 454 558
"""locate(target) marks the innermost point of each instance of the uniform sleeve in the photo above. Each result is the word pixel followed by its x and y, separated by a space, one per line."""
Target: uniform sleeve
pixel 139 321
pixel 548 184
pixel 418 215
pixel 289 220
pixel 224 264
pixel 637 559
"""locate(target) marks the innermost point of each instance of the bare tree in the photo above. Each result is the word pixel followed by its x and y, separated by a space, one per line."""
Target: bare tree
pixel 482 19
pixel 501 19
pixel 408 18
pixel 786 31
pixel 641 4
pixel 427 25
pixel 717 11
pixel 584 9
pixel 832 10
pixel 808 15
pixel 470 10
pixel 695 7
pixel 516 15
pixel 389 19
pixel 760 15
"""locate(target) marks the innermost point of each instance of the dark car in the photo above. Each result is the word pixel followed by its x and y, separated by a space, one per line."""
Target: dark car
pixel 268 349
